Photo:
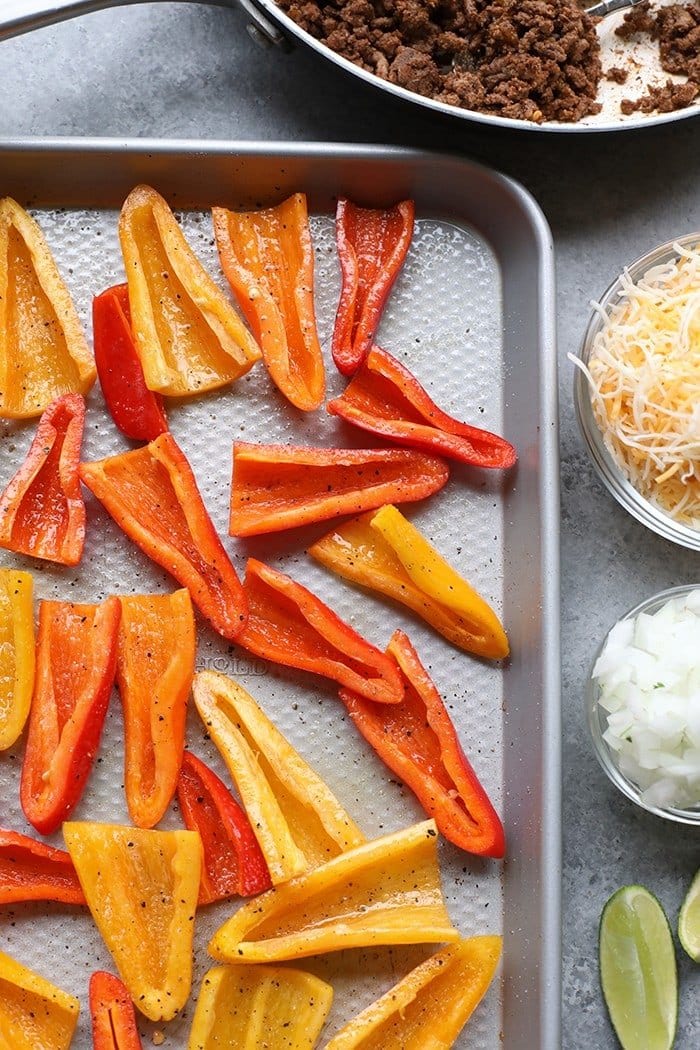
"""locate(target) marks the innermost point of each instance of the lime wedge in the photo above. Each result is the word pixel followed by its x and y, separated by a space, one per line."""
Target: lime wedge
pixel 689 920
pixel 638 970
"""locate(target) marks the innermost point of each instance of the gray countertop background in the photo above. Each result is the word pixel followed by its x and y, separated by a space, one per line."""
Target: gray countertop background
pixel 185 71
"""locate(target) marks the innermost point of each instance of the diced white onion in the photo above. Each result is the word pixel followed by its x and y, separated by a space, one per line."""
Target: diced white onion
pixel 649 678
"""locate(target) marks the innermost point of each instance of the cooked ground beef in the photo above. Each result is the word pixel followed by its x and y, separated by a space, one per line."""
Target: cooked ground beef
pixel 677 29
pixel 528 59
pixel 665 99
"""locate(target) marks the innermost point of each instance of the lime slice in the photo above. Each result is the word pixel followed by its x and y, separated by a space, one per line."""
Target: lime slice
pixel 689 920
pixel 638 970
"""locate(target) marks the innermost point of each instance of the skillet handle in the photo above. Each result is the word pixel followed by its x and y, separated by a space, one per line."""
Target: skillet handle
pixel 21 16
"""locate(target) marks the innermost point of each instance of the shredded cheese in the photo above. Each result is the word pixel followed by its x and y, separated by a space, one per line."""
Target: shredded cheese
pixel 644 376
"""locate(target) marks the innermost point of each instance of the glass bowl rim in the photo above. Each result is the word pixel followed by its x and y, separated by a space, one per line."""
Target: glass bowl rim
pixel 607 469
pixel 602 751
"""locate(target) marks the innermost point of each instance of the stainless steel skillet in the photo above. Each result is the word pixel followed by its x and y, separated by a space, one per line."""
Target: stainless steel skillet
pixel 269 26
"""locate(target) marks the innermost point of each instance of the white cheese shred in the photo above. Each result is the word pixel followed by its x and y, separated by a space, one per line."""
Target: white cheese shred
pixel 644 376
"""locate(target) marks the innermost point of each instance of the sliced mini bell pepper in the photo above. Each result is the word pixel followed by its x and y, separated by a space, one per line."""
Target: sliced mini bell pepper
pixel 76 661
pixel 33 871
pixel 384 892
pixel 188 335
pixel 385 552
pixel 42 512
pixel 112 1014
pixel 34 1014
pixel 372 245
pixel 268 260
pixel 291 626
pixel 417 741
pixel 152 494
pixel 141 887
pixel 278 487
pixel 155 665
pixel 136 410
pixel 43 350
pixel 296 818
pixel 386 399
pixel 432 1003
pixel 233 863
pixel 17 653
pixel 274 1007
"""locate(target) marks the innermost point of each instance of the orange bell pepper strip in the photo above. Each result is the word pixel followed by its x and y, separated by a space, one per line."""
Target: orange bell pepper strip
pixel 141 887
pixel 432 1003
pixel 42 512
pixel 417 741
pixel 43 350
pixel 384 398
pixel 291 626
pixel 76 662
pixel 33 871
pixel 188 336
pixel 34 1014
pixel 112 1014
pixel 296 818
pixel 17 653
pixel 386 891
pixel 255 1006
pixel 385 552
pixel 277 487
pixel 372 246
pixel 135 409
pixel 155 665
pixel 233 863
pixel 152 495
pixel 268 260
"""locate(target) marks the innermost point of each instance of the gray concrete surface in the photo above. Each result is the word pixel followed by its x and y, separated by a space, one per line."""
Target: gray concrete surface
pixel 175 71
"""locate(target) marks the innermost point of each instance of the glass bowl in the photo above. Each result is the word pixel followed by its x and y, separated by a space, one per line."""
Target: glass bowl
pixel 607 468
pixel 597 721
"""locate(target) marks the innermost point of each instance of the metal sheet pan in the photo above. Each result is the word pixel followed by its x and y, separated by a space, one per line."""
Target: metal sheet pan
pixel 473 313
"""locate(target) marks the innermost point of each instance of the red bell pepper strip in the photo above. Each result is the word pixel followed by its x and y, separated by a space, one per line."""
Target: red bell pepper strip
pixel 372 246
pixel 112 1014
pixel 152 495
pixel 42 512
pixel 291 626
pixel 75 666
pixel 136 410
pixel 234 865
pixel 386 399
pixel 418 742
pixel 278 487
pixel 33 871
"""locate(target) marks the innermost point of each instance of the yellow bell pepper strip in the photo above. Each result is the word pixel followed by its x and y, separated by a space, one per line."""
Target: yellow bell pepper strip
pixel 32 871
pixel 248 1007
pixel 386 891
pixel 17 653
pixel 155 665
pixel 43 350
pixel 76 662
pixel 141 887
pixel 386 399
pixel 296 818
pixel 431 1005
pixel 278 487
pixel 152 494
pixel 233 864
pixel 42 511
pixel 417 741
pixel 112 1014
pixel 385 552
pixel 291 626
pixel 372 245
pixel 34 1014
pixel 187 334
pixel 268 260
